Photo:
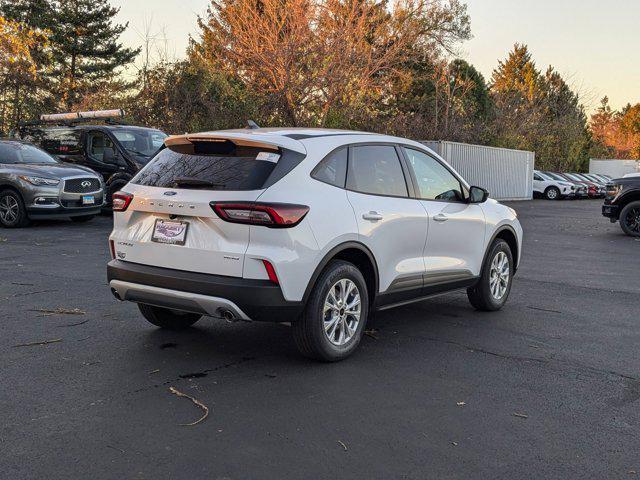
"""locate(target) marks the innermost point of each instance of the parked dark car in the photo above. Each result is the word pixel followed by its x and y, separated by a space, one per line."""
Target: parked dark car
pixel 116 152
pixel 35 185
pixel 622 203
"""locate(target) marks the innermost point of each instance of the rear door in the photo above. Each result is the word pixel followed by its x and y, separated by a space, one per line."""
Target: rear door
pixel 390 223
pixel 170 222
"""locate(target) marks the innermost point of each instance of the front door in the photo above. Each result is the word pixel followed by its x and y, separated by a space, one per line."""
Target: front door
pixel 455 245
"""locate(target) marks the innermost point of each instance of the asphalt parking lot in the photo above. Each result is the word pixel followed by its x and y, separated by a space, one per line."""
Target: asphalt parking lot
pixel 549 387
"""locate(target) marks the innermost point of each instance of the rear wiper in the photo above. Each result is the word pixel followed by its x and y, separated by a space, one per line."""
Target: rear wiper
pixel 195 182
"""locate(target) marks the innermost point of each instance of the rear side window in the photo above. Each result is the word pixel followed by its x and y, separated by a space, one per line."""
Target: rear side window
pixel 376 169
pixel 333 169
pixel 240 171
pixel 57 141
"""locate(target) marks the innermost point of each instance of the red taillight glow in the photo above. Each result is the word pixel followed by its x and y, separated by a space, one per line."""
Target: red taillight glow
pixel 120 201
pixel 272 215
pixel 271 272
pixel 112 248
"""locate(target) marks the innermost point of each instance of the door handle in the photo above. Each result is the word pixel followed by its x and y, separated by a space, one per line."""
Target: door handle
pixel 372 216
pixel 441 217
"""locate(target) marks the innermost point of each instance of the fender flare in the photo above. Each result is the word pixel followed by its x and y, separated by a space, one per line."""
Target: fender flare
pixel 331 254
pixel 498 231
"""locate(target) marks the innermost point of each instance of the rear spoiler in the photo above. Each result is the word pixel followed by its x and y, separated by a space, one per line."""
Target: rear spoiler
pixel 187 143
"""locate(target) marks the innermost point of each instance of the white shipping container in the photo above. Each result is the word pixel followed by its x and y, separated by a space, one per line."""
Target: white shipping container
pixel 614 168
pixel 507 174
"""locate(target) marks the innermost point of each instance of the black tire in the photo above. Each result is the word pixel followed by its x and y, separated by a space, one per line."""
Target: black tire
pixel 630 219
pixel 168 319
pixel 309 330
pixel 13 213
pixel 552 193
pixel 480 295
pixel 82 218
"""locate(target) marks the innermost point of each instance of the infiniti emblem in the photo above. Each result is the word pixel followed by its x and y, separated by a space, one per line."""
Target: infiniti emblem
pixel 86 184
pixel 170 194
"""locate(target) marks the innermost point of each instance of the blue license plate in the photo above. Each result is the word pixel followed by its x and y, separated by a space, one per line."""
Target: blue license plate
pixel 88 200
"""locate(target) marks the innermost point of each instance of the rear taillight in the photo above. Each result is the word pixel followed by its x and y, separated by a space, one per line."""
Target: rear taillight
pixel 272 215
pixel 120 201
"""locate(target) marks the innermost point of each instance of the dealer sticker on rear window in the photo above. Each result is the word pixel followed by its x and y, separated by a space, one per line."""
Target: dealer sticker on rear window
pixel 268 157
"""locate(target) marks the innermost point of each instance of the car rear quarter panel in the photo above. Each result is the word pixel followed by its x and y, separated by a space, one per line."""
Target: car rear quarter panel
pixel 295 252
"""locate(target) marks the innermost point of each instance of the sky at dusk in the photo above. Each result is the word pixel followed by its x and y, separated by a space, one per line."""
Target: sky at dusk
pixel 593 44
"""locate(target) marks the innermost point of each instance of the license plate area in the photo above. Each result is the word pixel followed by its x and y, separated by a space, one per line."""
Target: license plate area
pixel 171 232
pixel 88 200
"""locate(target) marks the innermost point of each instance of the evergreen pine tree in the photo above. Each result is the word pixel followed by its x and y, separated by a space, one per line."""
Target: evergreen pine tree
pixel 85 48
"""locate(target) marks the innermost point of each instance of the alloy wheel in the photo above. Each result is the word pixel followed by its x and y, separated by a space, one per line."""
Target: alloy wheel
pixel 499 275
pixel 9 209
pixel 632 220
pixel 341 312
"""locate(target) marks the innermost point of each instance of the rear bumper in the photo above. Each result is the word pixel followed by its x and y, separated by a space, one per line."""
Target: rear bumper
pixel 249 299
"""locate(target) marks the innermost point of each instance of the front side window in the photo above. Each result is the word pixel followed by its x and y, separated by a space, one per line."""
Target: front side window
pixel 435 181
pixel 537 177
pixel 97 142
pixel 16 152
pixel 376 169
pixel 333 169
pixel 141 142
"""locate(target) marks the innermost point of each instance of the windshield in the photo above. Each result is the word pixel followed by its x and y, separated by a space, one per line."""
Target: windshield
pixel 16 152
pixel 142 142
pixel 555 176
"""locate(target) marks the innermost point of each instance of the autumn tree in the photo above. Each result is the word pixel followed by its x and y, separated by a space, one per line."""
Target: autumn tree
pixel 17 66
pixel 319 61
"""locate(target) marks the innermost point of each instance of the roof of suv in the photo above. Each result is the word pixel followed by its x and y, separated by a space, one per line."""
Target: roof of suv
pixel 296 133
pixel 285 137
pixel 289 138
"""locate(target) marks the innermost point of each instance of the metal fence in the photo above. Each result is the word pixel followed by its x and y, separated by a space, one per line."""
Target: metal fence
pixel 507 174
pixel 614 168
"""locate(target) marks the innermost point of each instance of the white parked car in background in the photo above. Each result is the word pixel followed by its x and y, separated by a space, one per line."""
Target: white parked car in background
pixel 551 188
pixel 310 226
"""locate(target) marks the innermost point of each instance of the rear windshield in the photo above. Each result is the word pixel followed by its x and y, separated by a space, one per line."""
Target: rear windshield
pixel 240 171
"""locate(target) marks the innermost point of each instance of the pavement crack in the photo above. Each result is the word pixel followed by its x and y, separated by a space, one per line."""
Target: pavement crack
pixel 543 361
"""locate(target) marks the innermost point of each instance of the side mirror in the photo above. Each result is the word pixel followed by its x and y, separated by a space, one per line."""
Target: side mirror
pixel 478 195
pixel 109 156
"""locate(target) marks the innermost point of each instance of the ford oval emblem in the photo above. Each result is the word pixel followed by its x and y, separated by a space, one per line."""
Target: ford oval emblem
pixel 170 194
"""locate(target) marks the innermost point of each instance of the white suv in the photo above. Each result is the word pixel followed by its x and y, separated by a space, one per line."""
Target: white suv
pixel 310 226
pixel 550 188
